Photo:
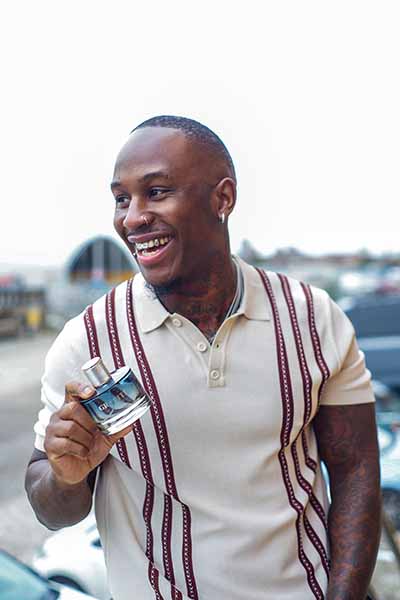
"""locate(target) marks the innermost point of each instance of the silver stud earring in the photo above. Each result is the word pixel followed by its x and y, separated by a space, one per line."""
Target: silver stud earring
pixel 222 218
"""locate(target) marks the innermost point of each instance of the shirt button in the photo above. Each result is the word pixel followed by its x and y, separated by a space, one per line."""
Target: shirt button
pixel 214 374
pixel 201 346
pixel 177 322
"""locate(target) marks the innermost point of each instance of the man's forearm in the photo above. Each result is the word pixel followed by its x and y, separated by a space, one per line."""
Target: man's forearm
pixel 354 531
pixel 56 505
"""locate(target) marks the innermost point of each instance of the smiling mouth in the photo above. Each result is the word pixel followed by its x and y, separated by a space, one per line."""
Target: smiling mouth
pixel 151 246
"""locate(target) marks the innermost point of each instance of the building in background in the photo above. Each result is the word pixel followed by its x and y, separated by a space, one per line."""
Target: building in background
pixel 22 306
pixel 93 269
pixel 33 297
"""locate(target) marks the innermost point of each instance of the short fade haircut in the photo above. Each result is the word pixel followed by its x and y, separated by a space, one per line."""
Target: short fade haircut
pixel 194 130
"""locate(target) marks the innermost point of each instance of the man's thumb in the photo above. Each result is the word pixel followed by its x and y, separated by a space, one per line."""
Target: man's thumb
pixel 74 391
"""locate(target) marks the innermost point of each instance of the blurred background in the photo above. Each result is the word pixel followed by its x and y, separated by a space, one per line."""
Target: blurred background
pixel 306 97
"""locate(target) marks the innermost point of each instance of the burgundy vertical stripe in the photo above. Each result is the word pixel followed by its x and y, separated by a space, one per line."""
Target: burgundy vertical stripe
pixel 323 367
pixel 148 504
pixel 307 382
pixel 317 542
pixel 305 372
pixel 310 462
pixel 146 470
pixel 145 464
pixel 91 332
pixel 287 422
pixel 113 331
pixel 165 451
pixel 118 360
pixel 307 386
pixel 153 576
pixel 166 533
pixel 309 490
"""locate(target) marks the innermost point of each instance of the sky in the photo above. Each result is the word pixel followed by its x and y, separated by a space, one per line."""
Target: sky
pixel 305 95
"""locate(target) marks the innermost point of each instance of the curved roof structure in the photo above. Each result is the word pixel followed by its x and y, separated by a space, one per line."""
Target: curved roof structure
pixel 101 259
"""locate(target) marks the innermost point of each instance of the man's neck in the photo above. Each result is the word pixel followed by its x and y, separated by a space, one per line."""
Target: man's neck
pixel 206 299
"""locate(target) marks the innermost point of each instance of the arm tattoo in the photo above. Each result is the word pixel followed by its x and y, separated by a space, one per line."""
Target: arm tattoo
pixel 347 443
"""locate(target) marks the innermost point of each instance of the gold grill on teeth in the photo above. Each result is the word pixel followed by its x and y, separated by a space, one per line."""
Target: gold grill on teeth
pixel 152 243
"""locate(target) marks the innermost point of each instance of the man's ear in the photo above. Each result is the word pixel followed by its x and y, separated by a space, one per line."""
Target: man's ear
pixel 224 197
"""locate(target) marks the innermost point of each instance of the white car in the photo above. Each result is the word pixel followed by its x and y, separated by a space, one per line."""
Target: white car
pixel 73 556
pixel 18 581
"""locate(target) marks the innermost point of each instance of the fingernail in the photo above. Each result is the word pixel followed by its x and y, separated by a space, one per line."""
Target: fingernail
pixel 87 390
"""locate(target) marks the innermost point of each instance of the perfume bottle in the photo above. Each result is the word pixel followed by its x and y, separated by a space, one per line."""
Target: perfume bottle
pixel 119 400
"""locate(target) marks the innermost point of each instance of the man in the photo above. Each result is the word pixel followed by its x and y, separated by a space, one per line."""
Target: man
pixel 217 492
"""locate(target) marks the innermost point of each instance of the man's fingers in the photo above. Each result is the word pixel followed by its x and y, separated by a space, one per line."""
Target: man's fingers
pixel 59 447
pixel 73 431
pixel 74 411
pixel 74 390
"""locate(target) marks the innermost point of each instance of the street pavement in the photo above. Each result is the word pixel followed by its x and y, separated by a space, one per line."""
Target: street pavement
pixel 21 365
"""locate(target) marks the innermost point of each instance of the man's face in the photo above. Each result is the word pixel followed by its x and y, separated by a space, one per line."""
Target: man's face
pixel 163 176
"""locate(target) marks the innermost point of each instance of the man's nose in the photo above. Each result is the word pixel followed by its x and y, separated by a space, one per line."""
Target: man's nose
pixel 134 215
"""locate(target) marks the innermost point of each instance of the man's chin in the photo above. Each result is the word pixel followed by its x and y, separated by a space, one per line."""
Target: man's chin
pixel 164 288
pixel 162 280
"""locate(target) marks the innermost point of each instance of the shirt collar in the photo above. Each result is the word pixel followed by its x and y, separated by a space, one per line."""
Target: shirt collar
pixel 255 303
pixel 151 313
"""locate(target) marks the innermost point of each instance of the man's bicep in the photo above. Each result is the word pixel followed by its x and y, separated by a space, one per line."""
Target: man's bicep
pixel 346 434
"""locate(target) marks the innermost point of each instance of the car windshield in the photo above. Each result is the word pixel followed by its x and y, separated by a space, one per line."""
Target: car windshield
pixel 17 582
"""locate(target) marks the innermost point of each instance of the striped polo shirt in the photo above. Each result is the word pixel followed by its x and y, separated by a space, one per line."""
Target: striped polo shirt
pixel 217 494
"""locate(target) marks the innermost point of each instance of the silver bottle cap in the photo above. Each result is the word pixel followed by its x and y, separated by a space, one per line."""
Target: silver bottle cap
pixel 96 371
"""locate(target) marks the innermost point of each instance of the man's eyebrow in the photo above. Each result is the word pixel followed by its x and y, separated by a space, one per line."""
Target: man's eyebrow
pixel 115 184
pixel 154 175
pixel 144 179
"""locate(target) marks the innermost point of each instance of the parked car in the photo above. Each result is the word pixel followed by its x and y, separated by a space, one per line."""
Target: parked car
pixel 74 556
pixel 388 419
pixel 376 320
pixel 387 405
pixel 389 444
pixel 20 582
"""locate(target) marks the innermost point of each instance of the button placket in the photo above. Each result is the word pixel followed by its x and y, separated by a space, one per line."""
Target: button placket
pixel 193 339
pixel 216 372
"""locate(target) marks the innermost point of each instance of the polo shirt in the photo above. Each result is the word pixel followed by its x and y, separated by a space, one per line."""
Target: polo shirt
pixel 217 494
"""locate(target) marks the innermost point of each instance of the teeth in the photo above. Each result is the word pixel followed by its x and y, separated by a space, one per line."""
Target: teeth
pixel 152 243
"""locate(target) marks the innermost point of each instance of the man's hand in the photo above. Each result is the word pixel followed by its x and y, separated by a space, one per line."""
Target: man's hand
pixel 73 443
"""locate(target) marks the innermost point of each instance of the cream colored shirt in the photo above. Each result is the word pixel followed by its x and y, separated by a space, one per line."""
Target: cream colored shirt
pixel 217 494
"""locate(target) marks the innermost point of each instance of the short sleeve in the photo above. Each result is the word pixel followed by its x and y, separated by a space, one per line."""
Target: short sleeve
pixel 60 367
pixel 350 381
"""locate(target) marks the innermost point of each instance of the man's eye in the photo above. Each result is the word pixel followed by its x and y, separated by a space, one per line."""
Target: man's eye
pixel 121 200
pixel 155 192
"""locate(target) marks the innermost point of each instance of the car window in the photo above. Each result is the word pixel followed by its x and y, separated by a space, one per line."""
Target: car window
pixel 17 582
pixel 375 317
